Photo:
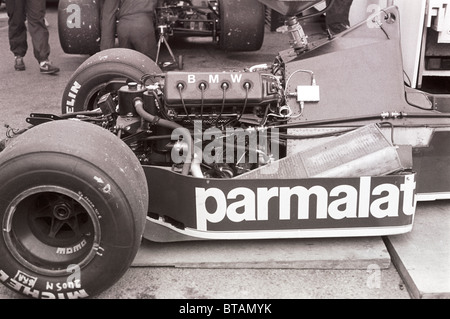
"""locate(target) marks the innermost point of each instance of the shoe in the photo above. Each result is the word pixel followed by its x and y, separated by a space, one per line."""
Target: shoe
pixel 47 68
pixel 337 28
pixel 19 65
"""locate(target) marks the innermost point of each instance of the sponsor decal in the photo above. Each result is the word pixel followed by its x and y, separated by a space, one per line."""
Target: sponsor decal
pixel 214 78
pixel 332 203
pixel 71 250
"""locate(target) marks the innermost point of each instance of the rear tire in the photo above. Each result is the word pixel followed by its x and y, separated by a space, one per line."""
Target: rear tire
pixel 73 208
pixel 79 26
pixel 88 82
pixel 242 24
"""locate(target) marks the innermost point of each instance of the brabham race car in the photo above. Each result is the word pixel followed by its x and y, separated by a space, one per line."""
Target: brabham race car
pixel 324 141
pixel 234 25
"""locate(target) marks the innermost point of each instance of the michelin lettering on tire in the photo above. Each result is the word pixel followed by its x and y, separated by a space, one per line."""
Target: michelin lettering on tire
pixel 24 284
pixel 71 97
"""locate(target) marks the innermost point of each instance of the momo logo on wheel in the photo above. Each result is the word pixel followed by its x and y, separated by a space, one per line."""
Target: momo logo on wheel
pixel 361 203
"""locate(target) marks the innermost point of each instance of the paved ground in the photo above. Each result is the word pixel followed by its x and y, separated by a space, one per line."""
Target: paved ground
pixel 24 92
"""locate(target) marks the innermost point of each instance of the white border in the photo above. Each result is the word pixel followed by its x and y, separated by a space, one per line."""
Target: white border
pixel 285 234
pixel 428 197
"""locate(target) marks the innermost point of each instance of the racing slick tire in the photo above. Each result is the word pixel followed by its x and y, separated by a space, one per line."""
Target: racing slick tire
pixel 79 26
pixel 89 81
pixel 73 208
pixel 242 24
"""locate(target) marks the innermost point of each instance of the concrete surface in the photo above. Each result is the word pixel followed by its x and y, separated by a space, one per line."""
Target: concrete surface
pixel 341 253
pixel 370 277
pixel 422 256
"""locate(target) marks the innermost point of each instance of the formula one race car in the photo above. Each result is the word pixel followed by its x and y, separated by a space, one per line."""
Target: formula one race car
pixel 322 142
pixel 234 24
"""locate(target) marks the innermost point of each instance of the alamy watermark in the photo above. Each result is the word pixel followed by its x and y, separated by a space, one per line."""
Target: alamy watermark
pixel 231 146
pixel 374 278
pixel 74 18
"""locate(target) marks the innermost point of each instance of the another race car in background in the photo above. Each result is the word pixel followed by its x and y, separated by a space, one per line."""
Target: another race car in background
pixel 233 24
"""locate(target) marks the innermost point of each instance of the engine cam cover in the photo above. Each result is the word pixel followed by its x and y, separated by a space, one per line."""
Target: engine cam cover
pixel 194 89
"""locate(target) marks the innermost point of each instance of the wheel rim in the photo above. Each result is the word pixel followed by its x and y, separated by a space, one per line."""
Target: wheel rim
pixel 92 97
pixel 96 92
pixel 50 229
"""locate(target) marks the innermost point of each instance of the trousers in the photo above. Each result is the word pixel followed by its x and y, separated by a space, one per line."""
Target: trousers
pixel 339 12
pixel 34 12
pixel 137 32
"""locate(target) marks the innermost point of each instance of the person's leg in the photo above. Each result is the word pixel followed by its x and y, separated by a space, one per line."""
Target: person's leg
pixel 40 35
pixel 147 43
pixel 137 32
pixel 17 31
pixel 125 29
pixel 38 31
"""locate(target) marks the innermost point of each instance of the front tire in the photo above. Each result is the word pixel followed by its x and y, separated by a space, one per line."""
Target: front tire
pixel 73 208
